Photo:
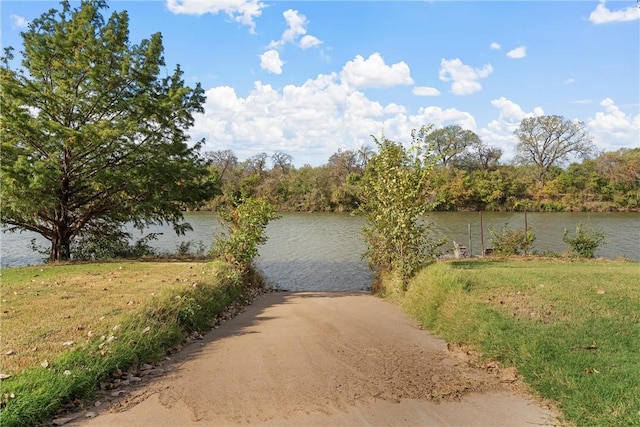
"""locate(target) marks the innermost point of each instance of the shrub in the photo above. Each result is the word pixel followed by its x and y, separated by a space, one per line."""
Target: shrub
pixel 393 184
pixel 585 242
pixel 190 248
pixel 511 242
pixel 245 224
pixel 117 244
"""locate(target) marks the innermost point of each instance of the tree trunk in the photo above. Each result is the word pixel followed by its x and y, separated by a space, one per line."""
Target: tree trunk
pixel 60 244
pixel 61 241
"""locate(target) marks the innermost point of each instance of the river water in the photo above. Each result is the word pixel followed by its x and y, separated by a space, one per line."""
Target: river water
pixel 323 251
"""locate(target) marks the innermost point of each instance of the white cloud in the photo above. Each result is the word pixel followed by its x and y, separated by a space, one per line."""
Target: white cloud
pixel 439 118
pixel 241 11
pixel 297 24
pixel 602 15
pixel 373 72
pixel 308 41
pixel 224 97
pixel 495 46
pixel 270 61
pixel 296 27
pixel 499 132
pixel 517 53
pixel 613 129
pixel 19 21
pixel 310 121
pixel 570 81
pixel 464 78
pixel 425 91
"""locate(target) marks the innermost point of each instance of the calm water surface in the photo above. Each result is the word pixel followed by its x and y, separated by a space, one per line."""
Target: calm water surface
pixel 323 251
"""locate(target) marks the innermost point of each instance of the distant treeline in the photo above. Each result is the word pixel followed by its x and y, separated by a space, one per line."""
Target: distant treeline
pixel 468 180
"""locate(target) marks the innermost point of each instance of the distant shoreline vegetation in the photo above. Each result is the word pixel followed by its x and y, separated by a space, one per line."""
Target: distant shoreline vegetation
pixel 609 182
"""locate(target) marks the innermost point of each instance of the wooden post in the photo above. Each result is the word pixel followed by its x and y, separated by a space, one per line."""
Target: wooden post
pixel 526 228
pixel 481 235
pixel 469 231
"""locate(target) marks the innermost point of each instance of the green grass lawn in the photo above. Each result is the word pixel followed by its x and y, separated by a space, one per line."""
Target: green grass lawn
pixel 572 328
pixel 65 328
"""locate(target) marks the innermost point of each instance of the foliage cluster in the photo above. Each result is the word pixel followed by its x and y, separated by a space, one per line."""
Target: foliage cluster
pixel 93 136
pixel 140 335
pixel 508 242
pixel 116 244
pixel 573 341
pixel 245 223
pixel 585 242
pixel 469 182
pixel 397 239
pixel 547 141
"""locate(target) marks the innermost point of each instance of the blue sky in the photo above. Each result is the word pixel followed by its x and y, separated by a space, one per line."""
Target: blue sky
pixel 311 77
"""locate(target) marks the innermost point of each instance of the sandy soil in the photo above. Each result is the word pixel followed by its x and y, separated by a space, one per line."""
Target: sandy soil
pixel 322 359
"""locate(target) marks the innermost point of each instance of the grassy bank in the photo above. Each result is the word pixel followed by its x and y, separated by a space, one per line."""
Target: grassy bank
pixel 66 328
pixel 572 329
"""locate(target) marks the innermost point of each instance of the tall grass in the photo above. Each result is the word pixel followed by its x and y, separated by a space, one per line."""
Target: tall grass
pixel 144 334
pixel 572 329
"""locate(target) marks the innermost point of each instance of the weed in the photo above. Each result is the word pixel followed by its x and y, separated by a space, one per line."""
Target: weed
pixel 512 242
pixel 585 242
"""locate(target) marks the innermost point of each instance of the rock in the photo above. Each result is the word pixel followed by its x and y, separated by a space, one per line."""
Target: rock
pixel 91 414
pixel 508 375
pixel 4 376
pixel 10 353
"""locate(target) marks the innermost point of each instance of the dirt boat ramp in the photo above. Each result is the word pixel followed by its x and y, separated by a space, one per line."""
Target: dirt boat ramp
pixel 320 359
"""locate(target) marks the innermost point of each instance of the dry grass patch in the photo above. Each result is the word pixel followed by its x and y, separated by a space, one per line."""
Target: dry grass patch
pixel 91 321
pixel 49 309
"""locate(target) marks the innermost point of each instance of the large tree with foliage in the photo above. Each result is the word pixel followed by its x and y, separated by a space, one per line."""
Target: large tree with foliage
pixel 93 136
pixel 479 156
pixel 224 160
pixel 450 142
pixel 548 141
